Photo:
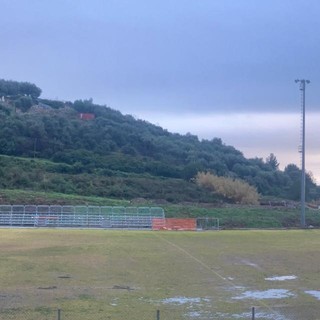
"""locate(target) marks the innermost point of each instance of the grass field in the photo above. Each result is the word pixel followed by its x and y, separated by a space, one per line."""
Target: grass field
pixel 99 274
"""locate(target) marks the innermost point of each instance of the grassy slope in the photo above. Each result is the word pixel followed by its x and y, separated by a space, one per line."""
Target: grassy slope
pixel 88 273
pixel 16 196
pixel 44 175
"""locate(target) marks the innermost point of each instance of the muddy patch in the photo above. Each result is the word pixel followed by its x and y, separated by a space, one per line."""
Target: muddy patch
pixel 47 288
pixel 123 287
pixel 266 294
pixel 64 277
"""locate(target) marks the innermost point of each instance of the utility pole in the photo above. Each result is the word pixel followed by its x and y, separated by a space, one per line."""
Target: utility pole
pixel 303 83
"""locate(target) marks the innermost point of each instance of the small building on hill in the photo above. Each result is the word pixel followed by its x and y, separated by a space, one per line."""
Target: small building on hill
pixel 86 116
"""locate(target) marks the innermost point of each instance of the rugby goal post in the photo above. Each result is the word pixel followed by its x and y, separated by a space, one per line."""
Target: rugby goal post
pixel 208 223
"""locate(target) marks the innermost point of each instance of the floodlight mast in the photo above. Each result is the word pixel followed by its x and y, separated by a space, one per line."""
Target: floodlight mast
pixel 303 150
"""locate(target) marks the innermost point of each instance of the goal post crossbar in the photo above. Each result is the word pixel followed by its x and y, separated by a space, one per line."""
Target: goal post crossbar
pixel 208 223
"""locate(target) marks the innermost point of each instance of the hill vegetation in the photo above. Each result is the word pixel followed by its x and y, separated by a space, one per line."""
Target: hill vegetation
pixel 46 146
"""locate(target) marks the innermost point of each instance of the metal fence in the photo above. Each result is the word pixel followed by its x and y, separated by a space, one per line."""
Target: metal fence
pixel 207 223
pixel 251 313
pixel 79 216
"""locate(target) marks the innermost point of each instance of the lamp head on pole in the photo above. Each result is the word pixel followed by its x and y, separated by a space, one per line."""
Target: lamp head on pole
pixel 302 80
pixel 303 83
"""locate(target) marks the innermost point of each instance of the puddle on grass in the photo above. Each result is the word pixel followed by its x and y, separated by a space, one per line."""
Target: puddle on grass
pixel 194 305
pixel 281 278
pixel 114 302
pixel 194 314
pixel 249 263
pixel 184 300
pixel 314 293
pixel 248 315
pixel 266 294
pixel 229 278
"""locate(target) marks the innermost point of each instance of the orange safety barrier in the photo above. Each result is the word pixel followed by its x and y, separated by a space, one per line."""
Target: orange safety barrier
pixel 174 224
pixel 158 224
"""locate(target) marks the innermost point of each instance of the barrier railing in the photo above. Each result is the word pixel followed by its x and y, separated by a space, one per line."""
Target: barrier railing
pixel 79 216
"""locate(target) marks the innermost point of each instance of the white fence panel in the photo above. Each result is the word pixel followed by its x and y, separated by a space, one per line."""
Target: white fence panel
pixel 79 216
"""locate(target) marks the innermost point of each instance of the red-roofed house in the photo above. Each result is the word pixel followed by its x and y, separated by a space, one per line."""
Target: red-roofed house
pixel 86 116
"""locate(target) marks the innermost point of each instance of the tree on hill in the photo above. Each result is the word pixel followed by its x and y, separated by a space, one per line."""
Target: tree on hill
pixel 15 88
pixel 23 103
pixel 272 161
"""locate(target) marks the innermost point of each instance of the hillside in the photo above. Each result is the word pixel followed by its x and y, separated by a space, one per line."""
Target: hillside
pixel 87 149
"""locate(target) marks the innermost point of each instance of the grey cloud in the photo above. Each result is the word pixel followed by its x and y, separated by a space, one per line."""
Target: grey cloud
pixel 219 56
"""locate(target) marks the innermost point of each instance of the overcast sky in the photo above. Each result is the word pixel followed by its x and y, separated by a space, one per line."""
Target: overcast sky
pixel 214 68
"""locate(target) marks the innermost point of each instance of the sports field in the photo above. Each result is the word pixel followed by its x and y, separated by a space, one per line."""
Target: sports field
pixel 103 274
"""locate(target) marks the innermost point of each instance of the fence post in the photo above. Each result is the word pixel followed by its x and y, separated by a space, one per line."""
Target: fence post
pixel 253 313
pixel 158 314
pixel 59 314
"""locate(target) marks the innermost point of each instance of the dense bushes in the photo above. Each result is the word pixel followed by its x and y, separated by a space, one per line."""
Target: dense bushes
pixel 234 190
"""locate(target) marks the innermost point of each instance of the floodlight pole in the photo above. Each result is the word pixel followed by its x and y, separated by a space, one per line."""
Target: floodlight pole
pixel 303 150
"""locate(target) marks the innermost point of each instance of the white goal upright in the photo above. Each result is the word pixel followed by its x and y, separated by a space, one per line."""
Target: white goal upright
pixel 208 223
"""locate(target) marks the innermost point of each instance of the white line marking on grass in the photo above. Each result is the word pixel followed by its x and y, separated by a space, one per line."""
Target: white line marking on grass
pixel 262 303
pixel 195 259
